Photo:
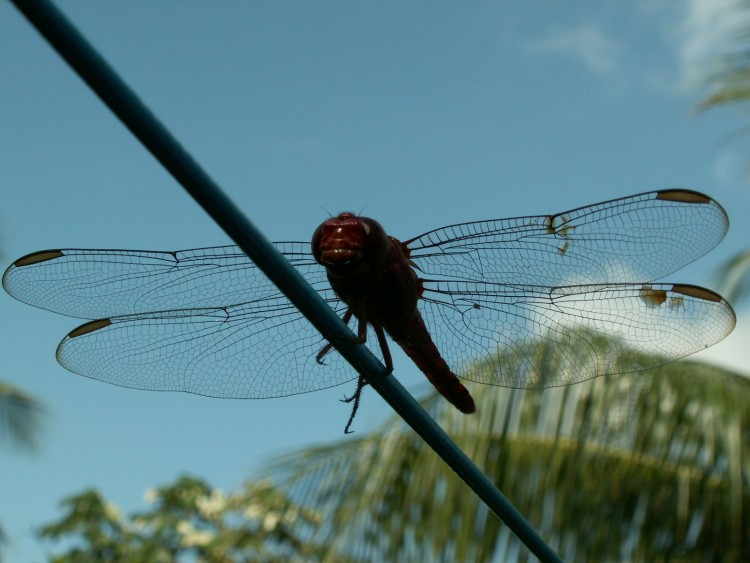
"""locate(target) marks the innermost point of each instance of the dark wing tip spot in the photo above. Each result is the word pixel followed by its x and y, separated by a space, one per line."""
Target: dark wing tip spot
pixel 89 327
pixel 37 257
pixel 683 196
pixel 697 292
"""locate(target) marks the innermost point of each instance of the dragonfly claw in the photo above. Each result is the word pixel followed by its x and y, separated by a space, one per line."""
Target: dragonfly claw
pixel 355 399
pixel 356 394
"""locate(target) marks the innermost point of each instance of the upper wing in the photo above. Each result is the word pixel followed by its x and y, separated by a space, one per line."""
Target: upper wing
pixel 92 284
pixel 633 239
pixel 495 333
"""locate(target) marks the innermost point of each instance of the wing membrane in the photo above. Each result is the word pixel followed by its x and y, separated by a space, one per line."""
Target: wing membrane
pixel 92 284
pixel 208 321
pixel 489 333
pixel 259 349
pixel 633 239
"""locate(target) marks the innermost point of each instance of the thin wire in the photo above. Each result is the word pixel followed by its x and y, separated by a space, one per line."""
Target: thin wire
pixel 124 103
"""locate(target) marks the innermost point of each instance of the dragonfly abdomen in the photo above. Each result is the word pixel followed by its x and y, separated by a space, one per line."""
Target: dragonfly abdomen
pixel 419 346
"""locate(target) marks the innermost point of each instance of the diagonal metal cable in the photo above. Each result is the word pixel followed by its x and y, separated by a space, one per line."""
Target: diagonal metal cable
pixel 124 103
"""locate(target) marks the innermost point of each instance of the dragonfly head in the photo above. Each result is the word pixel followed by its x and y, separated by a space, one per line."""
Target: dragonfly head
pixel 348 244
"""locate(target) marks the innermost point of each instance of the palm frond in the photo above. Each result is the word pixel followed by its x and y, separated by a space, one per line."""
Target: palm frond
pixel 20 417
pixel 637 466
pixel 734 277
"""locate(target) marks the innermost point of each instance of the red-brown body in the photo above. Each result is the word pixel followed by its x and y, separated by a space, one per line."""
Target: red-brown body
pixel 370 272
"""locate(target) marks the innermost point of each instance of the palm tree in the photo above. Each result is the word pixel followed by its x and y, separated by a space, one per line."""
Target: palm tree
pixel 730 85
pixel 20 416
pixel 19 421
pixel 647 466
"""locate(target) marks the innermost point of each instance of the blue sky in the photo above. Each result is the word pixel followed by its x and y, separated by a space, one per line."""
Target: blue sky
pixel 421 114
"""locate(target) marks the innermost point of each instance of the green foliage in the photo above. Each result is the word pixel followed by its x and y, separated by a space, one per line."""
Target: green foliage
pixel 99 525
pixel 730 86
pixel 734 277
pixel 188 521
pixel 651 466
pixel 730 80
pixel 648 466
pixel 20 416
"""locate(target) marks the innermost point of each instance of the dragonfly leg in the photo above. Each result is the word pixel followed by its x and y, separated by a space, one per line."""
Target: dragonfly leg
pixel 386 358
pixel 355 398
pixel 384 349
pixel 323 351
pixel 361 382
pixel 359 340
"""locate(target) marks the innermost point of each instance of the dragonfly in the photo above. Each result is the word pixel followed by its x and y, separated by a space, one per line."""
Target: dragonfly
pixel 474 296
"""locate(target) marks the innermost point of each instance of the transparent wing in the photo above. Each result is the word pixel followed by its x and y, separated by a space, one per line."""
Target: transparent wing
pixel 204 321
pixel 489 333
pixel 92 284
pixel 486 332
pixel 208 321
pixel 634 239
pixel 259 349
